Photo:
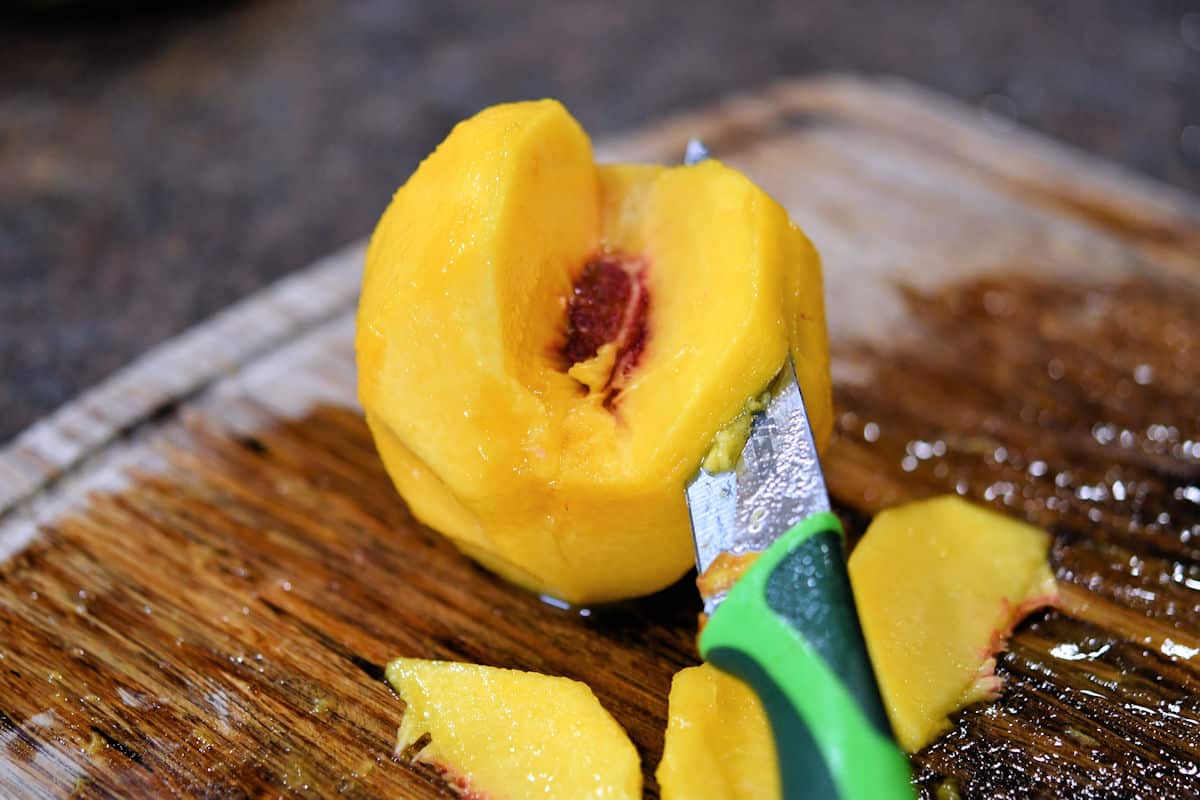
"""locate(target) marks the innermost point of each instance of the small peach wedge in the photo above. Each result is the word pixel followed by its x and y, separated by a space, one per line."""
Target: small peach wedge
pixel 502 734
pixel 940 584
pixel 718 744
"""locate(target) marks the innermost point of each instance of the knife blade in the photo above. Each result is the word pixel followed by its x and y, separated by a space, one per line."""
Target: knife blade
pixel 779 608
pixel 776 484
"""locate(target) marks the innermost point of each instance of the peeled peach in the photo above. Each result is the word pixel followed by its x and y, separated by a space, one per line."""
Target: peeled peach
pixel 718 744
pixel 939 585
pixel 547 347
pixel 507 734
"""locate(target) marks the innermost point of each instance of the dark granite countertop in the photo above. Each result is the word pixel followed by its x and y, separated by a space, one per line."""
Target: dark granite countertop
pixel 154 169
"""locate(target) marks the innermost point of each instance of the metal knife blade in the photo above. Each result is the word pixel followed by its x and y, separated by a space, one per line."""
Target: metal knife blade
pixel 776 483
pixel 695 152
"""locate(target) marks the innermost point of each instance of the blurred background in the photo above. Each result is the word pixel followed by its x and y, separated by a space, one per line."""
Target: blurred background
pixel 157 165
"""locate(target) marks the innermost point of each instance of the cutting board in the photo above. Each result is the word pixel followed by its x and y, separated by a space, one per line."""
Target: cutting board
pixel 204 568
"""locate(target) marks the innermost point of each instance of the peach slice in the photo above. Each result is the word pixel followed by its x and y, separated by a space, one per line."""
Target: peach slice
pixel 718 744
pixel 940 584
pixel 506 734
pixel 547 348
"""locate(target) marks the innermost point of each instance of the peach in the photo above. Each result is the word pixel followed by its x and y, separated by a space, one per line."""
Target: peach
pixel 939 586
pixel 718 744
pixel 507 734
pixel 547 348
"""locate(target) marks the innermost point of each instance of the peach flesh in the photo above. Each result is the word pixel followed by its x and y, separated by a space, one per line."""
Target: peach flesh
pixel 556 475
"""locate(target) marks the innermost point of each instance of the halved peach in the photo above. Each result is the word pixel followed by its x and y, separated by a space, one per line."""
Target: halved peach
pixel 547 348
pixel 507 734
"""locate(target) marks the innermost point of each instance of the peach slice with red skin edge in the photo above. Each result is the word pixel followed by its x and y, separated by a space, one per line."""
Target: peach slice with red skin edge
pixel 940 584
pixel 503 734
pixel 547 347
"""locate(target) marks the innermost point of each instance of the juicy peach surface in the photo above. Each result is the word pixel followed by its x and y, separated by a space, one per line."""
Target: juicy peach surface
pixel 547 348
pixel 504 734
pixel 718 744
pixel 939 585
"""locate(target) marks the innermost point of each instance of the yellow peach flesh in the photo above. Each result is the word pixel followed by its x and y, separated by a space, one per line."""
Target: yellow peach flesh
pixel 718 744
pixel 507 735
pixel 566 477
pixel 939 585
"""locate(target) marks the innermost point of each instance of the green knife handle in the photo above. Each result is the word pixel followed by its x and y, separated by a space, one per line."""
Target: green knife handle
pixel 789 629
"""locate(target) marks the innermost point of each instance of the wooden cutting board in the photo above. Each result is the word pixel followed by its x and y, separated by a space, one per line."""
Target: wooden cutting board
pixel 204 569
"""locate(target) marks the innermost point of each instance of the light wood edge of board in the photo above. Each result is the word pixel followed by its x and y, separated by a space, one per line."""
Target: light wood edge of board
pixel 153 386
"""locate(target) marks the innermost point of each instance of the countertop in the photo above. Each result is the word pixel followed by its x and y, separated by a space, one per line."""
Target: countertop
pixel 155 169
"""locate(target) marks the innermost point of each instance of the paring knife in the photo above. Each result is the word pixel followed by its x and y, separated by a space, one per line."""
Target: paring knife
pixel 786 624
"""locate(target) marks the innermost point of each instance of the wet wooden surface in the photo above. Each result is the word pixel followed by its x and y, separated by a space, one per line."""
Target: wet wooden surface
pixel 205 568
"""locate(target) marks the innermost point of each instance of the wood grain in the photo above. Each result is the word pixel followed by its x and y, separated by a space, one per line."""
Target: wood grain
pixel 205 568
